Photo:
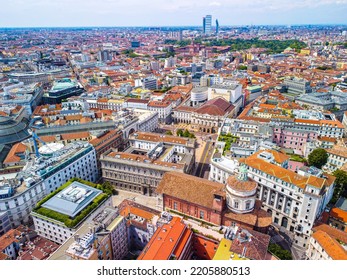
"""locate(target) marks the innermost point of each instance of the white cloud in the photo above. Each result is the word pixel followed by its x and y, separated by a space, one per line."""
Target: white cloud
pixel 215 4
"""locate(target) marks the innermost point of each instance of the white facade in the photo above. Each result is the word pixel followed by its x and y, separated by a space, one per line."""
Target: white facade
pixel 293 208
pixel 336 160
pixel 198 95
pixel 57 231
pixel 11 251
pixel 221 168
pixel 316 252
pixel 148 120
pixel 164 111
pixel 81 164
pixel 231 92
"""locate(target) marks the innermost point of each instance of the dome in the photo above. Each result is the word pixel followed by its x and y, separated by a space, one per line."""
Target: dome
pixel 241 186
pixel 240 192
pixel 13 131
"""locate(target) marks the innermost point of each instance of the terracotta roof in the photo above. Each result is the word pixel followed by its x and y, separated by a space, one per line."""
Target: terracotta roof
pixel 165 240
pixel 145 159
pixel 76 135
pixel 333 232
pixel 86 120
pixel 257 218
pixel 48 138
pixel 330 245
pixel 278 156
pixel 3 256
pixel 316 182
pixel 12 155
pixel 73 117
pixel 106 138
pixel 255 248
pixel 339 214
pixel 242 186
pixel 285 174
pixel 135 100
pixel 276 171
pixel 190 188
pixel 137 212
pixel 216 107
pixel 327 139
pixel 8 238
pixel 338 150
pixel 159 103
pixel 155 137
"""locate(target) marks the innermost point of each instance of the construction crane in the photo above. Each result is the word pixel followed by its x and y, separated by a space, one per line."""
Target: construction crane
pixel 35 137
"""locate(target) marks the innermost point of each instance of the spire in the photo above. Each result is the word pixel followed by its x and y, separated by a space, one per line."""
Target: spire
pixel 243 173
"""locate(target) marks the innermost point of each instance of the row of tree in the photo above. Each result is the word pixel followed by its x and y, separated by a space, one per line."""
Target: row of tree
pixel 318 158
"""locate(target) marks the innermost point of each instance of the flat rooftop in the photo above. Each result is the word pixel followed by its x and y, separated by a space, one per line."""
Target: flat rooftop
pixel 72 200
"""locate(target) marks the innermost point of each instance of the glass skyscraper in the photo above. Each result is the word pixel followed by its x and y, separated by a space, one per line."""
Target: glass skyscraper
pixel 207 24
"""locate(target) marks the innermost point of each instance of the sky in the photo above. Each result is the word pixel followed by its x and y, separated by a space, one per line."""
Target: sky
pixel 66 13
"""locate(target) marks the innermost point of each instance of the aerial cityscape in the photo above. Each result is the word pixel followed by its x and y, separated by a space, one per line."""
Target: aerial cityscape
pixel 174 141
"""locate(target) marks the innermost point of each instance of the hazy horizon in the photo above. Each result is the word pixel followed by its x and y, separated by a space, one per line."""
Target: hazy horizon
pixel 159 13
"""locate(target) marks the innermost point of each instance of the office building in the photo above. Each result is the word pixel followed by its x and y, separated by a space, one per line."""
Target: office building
pixel 62 89
pixel 41 176
pixel 59 217
pixel 149 156
pixel 295 200
pixel 207 24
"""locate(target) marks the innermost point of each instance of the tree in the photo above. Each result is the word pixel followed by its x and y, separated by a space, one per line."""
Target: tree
pixel 186 133
pixel 179 132
pixel 340 185
pixel 318 158
pixel 169 132
pixel 277 250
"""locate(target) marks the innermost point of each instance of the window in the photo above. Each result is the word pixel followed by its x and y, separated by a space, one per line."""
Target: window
pixel 248 205
pixel 175 206
pixel 201 214
pixel 236 204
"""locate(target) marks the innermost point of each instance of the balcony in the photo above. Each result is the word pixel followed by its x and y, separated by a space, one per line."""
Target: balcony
pixel 298 229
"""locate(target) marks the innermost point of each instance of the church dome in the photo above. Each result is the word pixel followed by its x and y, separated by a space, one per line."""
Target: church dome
pixel 241 192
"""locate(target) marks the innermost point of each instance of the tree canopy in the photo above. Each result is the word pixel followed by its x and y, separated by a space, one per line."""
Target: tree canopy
pixel 318 158
pixel 340 185
pixel 279 252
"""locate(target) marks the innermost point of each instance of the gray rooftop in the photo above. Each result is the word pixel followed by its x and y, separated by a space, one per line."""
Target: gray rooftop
pixel 72 200
pixel 342 203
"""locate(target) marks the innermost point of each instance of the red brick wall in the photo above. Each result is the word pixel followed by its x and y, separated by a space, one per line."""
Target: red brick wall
pixel 192 209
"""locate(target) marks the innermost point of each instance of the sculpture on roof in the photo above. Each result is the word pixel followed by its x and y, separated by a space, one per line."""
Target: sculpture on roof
pixel 243 173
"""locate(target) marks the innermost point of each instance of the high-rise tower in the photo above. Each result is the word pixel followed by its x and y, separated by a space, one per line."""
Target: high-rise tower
pixel 207 24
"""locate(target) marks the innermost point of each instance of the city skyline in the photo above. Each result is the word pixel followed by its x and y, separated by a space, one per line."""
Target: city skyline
pixel 92 13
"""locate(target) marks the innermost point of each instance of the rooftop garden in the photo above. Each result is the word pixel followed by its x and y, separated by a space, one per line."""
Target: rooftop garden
pixel 65 219
pixel 228 139
pixel 297 158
